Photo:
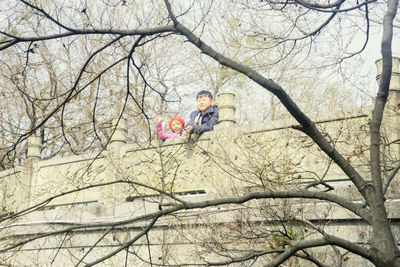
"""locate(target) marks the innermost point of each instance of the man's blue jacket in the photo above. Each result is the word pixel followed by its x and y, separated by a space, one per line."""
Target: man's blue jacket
pixel 207 122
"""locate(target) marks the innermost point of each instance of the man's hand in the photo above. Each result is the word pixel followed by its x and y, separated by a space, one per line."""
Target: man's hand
pixel 189 129
pixel 186 133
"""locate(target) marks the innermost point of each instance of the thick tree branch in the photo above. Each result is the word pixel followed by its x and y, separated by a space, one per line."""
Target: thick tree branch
pixel 383 236
pixel 390 178
pixel 332 7
pixel 325 240
pixel 150 31
pixel 381 98
pixel 377 114
pixel 357 209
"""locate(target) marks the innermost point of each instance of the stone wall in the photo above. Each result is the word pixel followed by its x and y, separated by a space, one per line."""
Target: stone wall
pixel 124 182
pixel 278 154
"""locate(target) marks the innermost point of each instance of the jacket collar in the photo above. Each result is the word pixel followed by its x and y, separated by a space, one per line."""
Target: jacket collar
pixel 209 110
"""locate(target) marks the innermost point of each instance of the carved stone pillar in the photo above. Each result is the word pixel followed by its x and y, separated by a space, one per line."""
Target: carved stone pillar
pixel 116 152
pixel 226 108
pixel 118 139
pixel 28 178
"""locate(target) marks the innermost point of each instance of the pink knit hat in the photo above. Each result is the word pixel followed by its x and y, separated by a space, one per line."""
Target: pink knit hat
pixel 176 118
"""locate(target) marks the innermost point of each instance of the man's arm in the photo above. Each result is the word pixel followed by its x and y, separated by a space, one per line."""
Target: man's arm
pixel 191 121
pixel 208 126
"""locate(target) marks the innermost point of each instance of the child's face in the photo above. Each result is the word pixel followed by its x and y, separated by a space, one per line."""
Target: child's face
pixel 176 126
pixel 203 103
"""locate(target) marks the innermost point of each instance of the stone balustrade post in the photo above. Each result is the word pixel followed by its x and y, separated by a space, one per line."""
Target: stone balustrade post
pixel 34 148
pixel 116 149
pixel 226 108
pixel 26 185
pixel 118 139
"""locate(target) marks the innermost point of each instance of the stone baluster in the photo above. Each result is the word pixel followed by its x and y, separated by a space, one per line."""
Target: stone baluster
pixel 28 180
pixel 116 149
pixel 226 108
pixel 118 139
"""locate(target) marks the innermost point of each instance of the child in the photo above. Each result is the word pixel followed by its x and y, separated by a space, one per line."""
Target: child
pixel 204 118
pixel 176 125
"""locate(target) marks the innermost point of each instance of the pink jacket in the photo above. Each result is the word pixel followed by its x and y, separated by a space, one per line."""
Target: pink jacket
pixel 163 135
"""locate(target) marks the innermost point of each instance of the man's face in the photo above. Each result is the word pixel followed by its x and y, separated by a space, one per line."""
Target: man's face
pixel 203 103
pixel 176 126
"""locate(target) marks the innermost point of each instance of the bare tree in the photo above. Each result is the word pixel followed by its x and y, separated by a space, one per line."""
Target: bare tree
pixel 112 44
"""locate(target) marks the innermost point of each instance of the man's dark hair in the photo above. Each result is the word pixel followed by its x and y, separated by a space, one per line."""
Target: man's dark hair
pixel 204 92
